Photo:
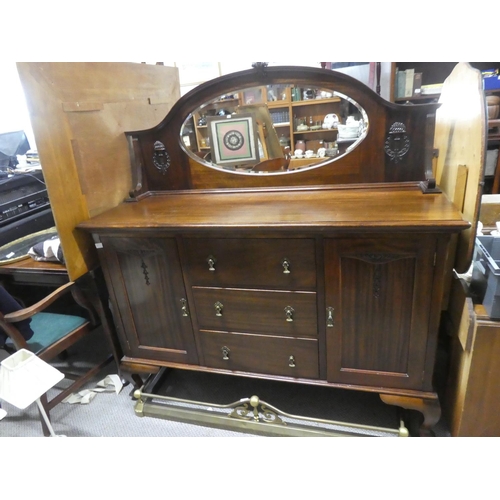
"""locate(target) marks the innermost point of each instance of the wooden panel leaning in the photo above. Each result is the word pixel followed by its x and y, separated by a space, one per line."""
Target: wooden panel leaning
pixel 460 144
pixel 79 113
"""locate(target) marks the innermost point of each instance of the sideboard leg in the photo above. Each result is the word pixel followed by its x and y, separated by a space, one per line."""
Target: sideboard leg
pixel 430 408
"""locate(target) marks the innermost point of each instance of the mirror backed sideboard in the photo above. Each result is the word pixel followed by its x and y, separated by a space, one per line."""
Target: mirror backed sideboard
pixel 240 258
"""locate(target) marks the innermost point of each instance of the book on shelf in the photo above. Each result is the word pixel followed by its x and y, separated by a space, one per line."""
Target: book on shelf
pixel 400 83
pixel 417 84
pixel 408 83
pixel 410 73
pixel 432 89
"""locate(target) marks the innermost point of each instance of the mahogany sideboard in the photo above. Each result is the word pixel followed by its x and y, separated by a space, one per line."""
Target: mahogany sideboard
pixel 332 274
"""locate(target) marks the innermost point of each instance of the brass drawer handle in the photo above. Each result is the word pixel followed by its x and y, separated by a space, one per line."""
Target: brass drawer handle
pixel 225 353
pixel 286 266
pixel 218 308
pixel 289 313
pixel 184 308
pixel 291 361
pixel 329 319
pixel 211 263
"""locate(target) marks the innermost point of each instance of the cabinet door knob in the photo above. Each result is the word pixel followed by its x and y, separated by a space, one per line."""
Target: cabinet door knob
pixel 329 319
pixel 225 353
pixel 184 308
pixel 218 308
pixel 289 313
pixel 211 263
pixel 291 361
pixel 286 266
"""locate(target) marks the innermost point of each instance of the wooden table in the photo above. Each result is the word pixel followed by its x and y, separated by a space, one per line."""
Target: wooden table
pixel 32 272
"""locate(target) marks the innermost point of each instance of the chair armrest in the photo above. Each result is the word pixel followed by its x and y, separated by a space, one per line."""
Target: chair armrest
pixel 28 312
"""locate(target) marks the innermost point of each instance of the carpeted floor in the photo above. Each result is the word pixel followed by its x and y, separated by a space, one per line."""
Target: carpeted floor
pixel 112 415
pixel 107 415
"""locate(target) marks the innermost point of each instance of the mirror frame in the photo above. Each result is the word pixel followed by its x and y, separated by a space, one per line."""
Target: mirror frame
pixel 370 162
pixel 282 161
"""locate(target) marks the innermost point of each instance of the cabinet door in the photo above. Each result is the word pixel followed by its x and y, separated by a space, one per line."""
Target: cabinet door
pixel 378 299
pixel 145 279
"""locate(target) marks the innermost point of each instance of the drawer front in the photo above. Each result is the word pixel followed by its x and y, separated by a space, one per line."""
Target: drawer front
pixel 292 314
pixel 297 358
pixel 288 264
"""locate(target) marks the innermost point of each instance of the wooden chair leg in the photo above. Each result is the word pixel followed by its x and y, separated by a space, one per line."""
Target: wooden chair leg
pixel 45 404
pixel 131 378
pixel 89 287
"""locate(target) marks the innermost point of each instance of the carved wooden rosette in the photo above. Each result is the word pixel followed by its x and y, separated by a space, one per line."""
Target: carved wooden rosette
pixel 161 158
pixel 397 143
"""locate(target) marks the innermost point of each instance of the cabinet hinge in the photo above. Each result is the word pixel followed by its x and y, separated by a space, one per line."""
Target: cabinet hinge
pixel 435 258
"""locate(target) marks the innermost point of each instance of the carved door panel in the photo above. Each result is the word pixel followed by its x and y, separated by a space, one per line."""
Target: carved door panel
pixel 145 278
pixel 378 299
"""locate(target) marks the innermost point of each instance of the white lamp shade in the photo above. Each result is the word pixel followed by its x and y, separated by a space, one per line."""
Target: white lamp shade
pixel 24 377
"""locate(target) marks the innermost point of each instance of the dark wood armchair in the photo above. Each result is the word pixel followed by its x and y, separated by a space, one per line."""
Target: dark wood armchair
pixel 53 333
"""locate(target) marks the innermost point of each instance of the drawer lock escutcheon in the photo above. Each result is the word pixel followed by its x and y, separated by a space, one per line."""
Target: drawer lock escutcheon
pixel 225 353
pixel 286 266
pixel 211 263
pixel 291 361
pixel 218 308
pixel 329 319
pixel 184 308
pixel 289 313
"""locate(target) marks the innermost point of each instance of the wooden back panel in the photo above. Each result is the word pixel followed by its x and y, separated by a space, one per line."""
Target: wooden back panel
pixel 460 138
pixel 79 113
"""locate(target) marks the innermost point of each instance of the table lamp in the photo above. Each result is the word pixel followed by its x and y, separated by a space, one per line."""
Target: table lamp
pixel 24 378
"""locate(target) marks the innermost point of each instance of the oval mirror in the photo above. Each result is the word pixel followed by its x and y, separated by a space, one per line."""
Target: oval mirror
pixel 274 129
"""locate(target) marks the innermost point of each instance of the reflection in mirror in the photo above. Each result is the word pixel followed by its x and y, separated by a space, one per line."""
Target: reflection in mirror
pixel 274 129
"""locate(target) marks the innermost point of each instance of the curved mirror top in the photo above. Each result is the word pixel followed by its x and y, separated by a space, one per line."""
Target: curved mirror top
pixel 274 129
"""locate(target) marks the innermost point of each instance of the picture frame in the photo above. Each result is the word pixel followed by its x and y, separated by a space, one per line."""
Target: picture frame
pixel 233 140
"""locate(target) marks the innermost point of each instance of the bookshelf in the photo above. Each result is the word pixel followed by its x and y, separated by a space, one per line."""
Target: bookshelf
pixel 433 74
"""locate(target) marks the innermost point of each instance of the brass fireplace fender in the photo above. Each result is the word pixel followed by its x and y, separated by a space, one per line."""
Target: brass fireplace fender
pixel 250 415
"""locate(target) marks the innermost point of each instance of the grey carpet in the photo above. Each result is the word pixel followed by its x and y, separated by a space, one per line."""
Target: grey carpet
pixel 107 415
pixel 112 415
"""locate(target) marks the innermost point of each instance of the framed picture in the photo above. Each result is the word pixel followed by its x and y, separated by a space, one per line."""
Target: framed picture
pixel 233 140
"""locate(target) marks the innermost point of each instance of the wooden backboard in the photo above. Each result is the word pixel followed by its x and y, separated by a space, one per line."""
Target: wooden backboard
pixel 79 113
pixel 460 139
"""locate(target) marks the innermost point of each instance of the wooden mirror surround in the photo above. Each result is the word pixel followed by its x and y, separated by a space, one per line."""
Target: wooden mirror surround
pixel 395 144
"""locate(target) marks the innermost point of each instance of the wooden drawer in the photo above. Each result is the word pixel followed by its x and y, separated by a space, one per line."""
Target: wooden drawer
pixel 256 311
pixel 261 354
pixel 252 262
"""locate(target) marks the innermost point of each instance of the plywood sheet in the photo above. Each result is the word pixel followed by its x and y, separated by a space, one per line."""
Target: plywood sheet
pixel 460 139
pixel 79 114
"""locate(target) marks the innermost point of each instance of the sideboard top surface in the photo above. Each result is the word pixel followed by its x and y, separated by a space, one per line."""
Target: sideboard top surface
pixel 302 209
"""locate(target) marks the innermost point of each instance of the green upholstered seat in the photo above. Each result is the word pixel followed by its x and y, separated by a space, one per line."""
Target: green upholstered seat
pixel 52 333
pixel 48 328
